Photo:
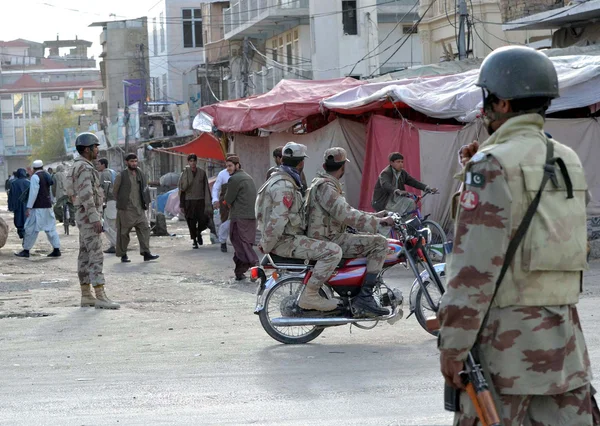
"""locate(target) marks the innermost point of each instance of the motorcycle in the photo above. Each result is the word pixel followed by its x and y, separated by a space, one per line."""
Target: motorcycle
pixel 278 293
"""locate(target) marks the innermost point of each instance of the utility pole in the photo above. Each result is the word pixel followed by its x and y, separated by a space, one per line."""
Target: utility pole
pixel 462 42
pixel 245 68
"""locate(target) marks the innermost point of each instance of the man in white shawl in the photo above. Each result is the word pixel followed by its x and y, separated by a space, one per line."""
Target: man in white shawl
pixel 40 216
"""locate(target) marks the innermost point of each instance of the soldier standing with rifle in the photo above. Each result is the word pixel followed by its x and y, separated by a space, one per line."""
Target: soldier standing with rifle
pixel 515 274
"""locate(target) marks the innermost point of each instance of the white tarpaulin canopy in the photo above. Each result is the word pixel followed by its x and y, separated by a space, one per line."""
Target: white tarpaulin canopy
pixel 456 96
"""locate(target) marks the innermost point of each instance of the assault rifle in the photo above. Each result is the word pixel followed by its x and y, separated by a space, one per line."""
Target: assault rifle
pixel 476 387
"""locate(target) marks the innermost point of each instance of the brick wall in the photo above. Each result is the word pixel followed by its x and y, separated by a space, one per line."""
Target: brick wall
pixel 515 9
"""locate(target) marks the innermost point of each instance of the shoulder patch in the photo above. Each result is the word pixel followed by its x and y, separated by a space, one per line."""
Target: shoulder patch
pixel 469 200
pixel 475 179
pixel 288 200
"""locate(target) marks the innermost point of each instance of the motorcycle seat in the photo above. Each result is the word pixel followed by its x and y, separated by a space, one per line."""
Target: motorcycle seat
pixel 280 261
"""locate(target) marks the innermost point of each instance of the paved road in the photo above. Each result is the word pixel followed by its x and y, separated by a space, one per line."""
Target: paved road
pixel 186 349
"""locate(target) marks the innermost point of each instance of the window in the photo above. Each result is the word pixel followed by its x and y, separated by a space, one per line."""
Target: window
pixel 410 30
pixel 288 51
pixel 349 19
pixel 192 28
pixel 164 87
pixel 154 37
pixel 19 136
pixel 162 33
pixel 274 50
pixel 18 105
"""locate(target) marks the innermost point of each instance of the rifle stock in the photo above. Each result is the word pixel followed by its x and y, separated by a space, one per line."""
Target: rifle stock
pixel 479 392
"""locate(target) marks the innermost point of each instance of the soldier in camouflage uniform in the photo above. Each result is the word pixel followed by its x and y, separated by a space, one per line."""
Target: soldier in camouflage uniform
pixel 87 194
pixel 328 216
pixel 281 220
pixel 532 346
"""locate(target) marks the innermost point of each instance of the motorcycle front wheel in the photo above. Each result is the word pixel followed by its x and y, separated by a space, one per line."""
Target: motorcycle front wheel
pixel 423 311
pixel 278 303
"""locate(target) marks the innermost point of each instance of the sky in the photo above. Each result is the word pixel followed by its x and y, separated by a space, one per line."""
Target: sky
pixel 42 20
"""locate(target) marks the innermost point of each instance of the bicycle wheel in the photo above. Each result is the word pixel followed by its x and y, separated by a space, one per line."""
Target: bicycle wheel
pixel 423 310
pixel 435 248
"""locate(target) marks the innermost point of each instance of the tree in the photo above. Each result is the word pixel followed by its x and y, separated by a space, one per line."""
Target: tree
pixel 47 135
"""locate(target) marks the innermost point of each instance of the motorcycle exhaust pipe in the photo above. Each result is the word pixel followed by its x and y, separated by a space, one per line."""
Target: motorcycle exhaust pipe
pixel 307 321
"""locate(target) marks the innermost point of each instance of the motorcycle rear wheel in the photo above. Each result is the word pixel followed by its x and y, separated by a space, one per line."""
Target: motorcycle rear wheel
pixel 284 292
pixel 423 311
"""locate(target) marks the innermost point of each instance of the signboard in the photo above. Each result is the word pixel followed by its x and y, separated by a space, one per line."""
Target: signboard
pixel 17 150
pixel 134 90
pixel 70 134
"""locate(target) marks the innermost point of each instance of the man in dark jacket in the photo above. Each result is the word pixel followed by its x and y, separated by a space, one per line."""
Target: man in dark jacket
pixel 241 198
pixel 393 180
pixel 130 191
pixel 16 201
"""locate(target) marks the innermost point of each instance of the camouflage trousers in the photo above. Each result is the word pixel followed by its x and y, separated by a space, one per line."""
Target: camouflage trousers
pixel 373 247
pixel 574 408
pixel 91 258
pixel 327 255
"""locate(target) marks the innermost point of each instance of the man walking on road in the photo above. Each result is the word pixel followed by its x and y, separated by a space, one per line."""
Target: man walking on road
pixel 85 184
pixel 16 204
pixel 40 216
pixel 194 199
pixel 241 197
pixel 107 181
pixel 218 197
pixel 60 195
pixel 515 274
pixel 132 197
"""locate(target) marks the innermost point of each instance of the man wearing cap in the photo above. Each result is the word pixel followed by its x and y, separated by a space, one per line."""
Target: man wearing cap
pixel 278 157
pixel 241 199
pixel 282 222
pixel 40 216
pixel 130 191
pixel 83 187
pixel 328 216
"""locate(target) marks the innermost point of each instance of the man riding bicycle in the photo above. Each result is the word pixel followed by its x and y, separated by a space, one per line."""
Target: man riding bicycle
pixel 390 190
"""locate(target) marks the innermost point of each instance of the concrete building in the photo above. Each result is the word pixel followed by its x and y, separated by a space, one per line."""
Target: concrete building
pixel 314 39
pixel 177 36
pixel 439 28
pixel 574 24
pixel 124 66
pixel 32 85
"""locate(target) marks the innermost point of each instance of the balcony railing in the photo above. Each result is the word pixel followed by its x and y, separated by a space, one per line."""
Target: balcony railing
pixel 243 12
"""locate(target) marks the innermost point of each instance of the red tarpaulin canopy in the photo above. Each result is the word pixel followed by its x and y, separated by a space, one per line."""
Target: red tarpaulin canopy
pixel 289 100
pixel 204 146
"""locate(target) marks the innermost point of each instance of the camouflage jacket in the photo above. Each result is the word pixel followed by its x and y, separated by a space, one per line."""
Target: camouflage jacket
pixel 279 213
pixel 328 212
pixel 86 186
pixel 533 343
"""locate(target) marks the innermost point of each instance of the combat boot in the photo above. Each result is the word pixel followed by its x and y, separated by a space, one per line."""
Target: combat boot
pixel 364 304
pixel 312 300
pixel 102 300
pixel 87 297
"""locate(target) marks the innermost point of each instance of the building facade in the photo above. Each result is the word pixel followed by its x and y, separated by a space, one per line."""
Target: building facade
pixel 177 35
pixel 439 30
pixel 311 39
pixel 33 85
pixel 124 66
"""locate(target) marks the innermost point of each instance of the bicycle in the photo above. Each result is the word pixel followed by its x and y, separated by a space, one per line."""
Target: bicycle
pixel 436 245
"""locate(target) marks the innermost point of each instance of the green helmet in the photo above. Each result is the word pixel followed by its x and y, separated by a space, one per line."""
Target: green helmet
pixel 518 72
pixel 87 139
